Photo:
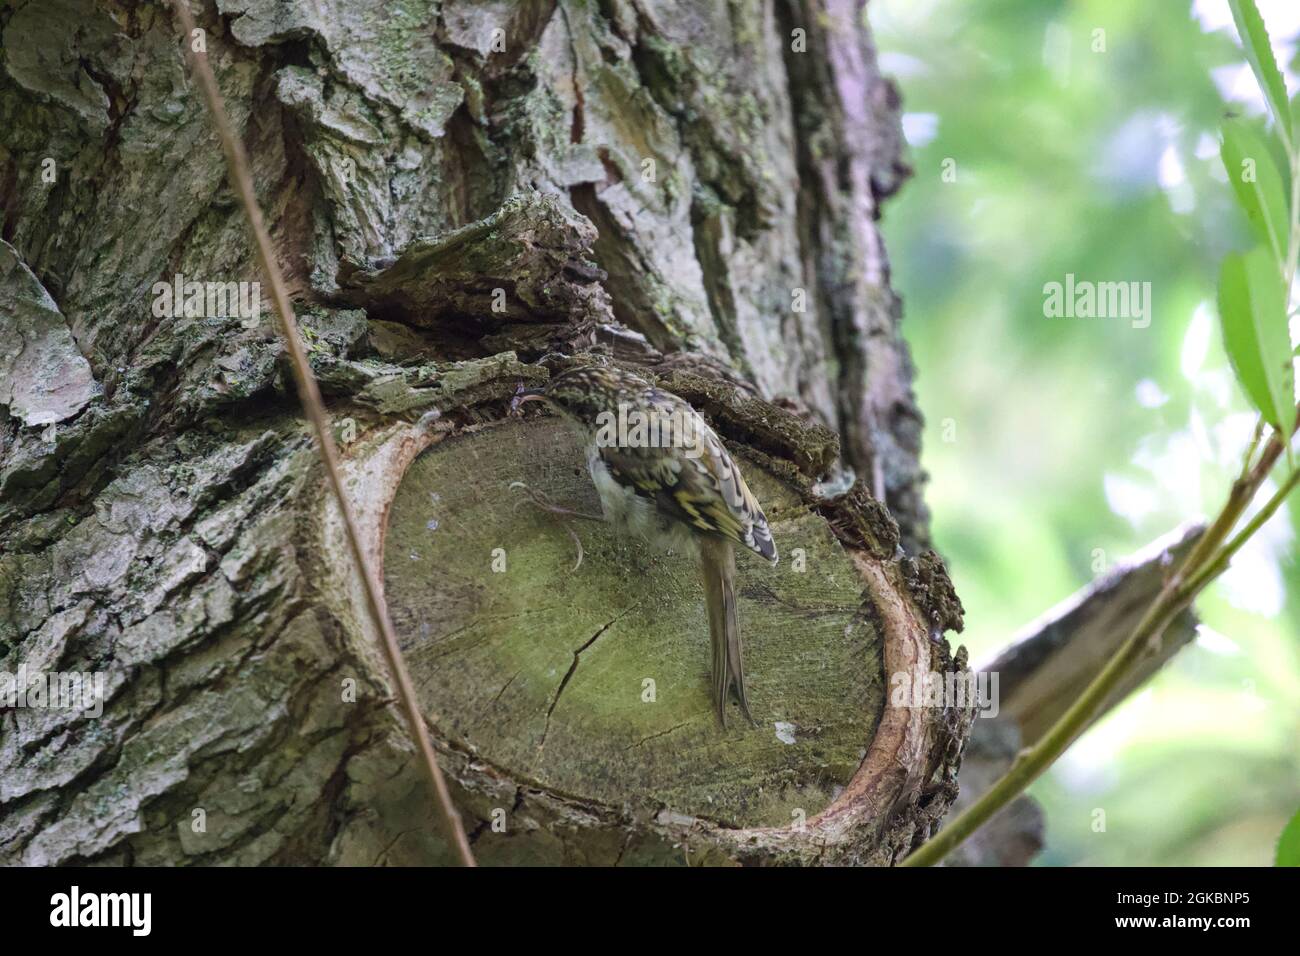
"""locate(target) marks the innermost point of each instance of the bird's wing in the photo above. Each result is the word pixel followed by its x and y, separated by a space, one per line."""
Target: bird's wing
pixel 689 475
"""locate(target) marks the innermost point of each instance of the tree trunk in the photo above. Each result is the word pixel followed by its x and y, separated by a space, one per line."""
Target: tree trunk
pixel 456 190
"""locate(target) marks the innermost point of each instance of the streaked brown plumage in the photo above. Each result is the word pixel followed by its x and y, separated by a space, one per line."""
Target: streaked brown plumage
pixel 673 482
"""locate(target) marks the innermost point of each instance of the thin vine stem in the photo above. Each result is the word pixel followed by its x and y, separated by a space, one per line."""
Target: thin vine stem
pixel 241 180
pixel 1209 558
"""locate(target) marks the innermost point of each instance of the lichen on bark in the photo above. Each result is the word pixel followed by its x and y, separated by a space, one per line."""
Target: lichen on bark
pixel 168 532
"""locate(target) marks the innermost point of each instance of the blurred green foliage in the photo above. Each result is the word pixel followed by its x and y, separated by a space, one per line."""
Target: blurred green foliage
pixel 1044 148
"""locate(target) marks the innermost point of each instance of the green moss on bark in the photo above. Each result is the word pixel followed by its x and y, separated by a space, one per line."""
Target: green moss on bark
pixel 541 670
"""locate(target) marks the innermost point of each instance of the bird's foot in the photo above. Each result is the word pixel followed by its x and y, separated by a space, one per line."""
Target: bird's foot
pixel 545 504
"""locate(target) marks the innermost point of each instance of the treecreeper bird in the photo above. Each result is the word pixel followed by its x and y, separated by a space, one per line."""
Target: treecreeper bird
pixel 663 473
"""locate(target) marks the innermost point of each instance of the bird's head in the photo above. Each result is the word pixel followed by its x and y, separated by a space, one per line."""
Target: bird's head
pixel 583 393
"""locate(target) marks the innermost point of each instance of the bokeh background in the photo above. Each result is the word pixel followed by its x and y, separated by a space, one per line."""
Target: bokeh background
pixel 1058 445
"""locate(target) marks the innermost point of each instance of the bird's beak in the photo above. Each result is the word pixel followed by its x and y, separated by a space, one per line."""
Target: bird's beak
pixel 527 395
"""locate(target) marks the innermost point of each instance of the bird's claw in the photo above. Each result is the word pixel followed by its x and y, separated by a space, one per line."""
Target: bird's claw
pixel 544 503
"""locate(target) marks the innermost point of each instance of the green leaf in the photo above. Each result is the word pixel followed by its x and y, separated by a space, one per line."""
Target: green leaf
pixel 1258 185
pixel 1288 844
pixel 1254 39
pixel 1252 308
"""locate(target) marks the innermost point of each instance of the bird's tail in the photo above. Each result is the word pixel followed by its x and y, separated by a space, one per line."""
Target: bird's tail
pixel 718 568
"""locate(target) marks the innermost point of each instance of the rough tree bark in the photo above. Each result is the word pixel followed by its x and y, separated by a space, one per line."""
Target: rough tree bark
pixel 456 189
